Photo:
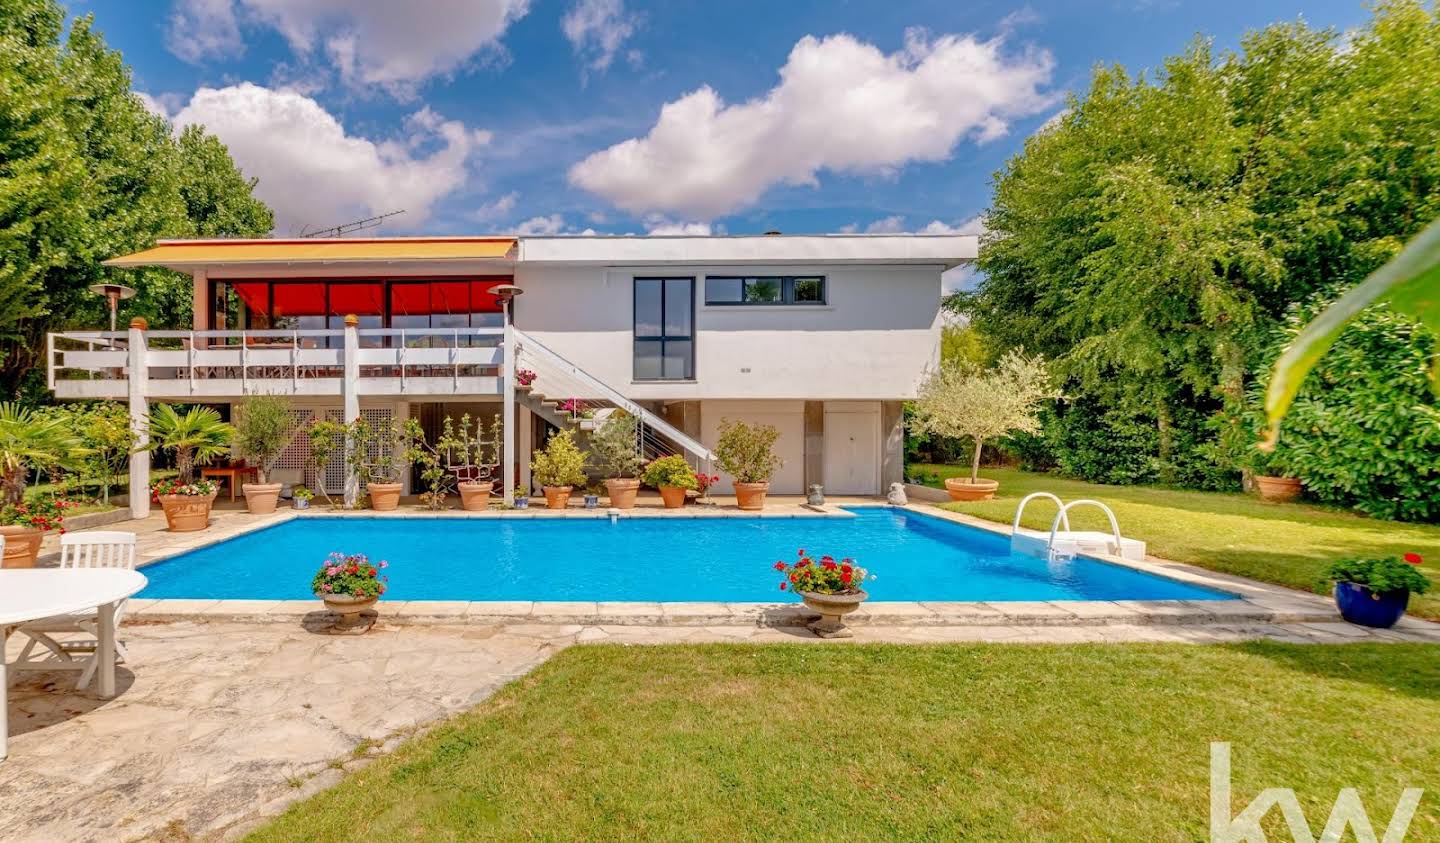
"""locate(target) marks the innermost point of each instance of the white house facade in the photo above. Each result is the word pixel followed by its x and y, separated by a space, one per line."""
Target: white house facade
pixel 823 337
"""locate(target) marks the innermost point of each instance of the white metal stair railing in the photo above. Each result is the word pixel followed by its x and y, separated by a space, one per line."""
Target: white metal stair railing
pixel 1062 542
pixel 578 397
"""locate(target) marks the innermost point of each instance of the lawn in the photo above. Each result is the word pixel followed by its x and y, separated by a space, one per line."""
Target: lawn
pixel 1289 544
pixel 883 742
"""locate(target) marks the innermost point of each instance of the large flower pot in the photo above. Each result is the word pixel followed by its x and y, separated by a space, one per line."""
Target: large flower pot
pixel 833 608
pixel 348 608
pixel 261 498
pixel 187 513
pixel 558 497
pixel 672 496
pixel 475 495
pixel 1278 489
pixel 22 546
pixel 622 491
pixel 1359 605
pixel 384 497
pixel 751 496
pixel 961 489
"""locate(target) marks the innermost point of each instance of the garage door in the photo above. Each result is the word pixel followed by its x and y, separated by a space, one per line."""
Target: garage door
pixel 787 416
pixel 852 450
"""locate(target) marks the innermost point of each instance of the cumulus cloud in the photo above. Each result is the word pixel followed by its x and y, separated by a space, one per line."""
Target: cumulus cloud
pixel 542 226
pixel 666 228
pixel 313 173
pixel 596 29
pixel 372 42
pixel 841 105
pixel 896 224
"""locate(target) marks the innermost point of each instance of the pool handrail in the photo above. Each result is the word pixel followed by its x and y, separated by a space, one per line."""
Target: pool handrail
pixel 1063 514
pixel 1015 527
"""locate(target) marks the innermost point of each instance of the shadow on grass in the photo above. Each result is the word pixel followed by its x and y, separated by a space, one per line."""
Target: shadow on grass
pixel 1409 669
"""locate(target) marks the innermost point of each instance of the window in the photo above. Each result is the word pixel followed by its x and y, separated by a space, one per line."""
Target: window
pixel 664 329
pixel 766 289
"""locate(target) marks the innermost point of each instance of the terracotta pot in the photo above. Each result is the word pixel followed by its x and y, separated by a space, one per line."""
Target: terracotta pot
pixel 833 608
pixel 22 546
pixel 558 497
pixel 187 513
pixel 1278 489
pixel 622 491
pixel 961 489
pixel 673 496
pixel 751 496
pixel 348 608
pixel 475 495
pixel 261 498
pixel 384 497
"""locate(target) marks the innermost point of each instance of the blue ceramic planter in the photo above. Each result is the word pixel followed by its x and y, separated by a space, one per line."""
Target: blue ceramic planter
pixel 1359 605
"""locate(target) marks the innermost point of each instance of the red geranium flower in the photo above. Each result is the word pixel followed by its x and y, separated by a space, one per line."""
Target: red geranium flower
pixel 829 566
pixel 1413 558
pixel 845 576
pixel 846 568
pixel 779 566
pixel 782 586
pixel 800 552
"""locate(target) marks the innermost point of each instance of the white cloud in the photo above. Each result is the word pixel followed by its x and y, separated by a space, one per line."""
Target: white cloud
pixel 542 226
pixel 888 225
pixel 665 228
pixel 1053 120
pixel 841 105
pixel 315 174
pixel 596 29
pixel 896 224
pixel 373 42
pixel 962 277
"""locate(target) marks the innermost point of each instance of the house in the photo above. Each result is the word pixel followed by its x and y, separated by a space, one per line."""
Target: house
pixel 823 337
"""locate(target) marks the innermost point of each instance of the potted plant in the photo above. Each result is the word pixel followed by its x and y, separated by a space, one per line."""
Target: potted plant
pixel 375 452
pixel 29 441
pixel 1375 592
pixel 966 401
pixel 197 435
pixel 673 476
pixel 25 526
pixel 302 497
pixel 746 452
pixel 1271 471
pixel 470 455
pixel 349 584
pixel 559 468
pixel 524 377
pixel 617 448
pixel 263 427
pixel 592 495
pixel 830 587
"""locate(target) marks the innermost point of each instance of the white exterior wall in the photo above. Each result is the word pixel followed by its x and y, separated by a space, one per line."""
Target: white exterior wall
pixel 787 416
pixel 875 338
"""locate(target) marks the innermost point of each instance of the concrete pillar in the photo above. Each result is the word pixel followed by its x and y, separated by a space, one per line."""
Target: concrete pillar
pixel 814 443
pixel 892 458
pixel 137 381
pixel 350 399
pixel 407 471
pixel 508 414
pixel 526 423
pixel 200 297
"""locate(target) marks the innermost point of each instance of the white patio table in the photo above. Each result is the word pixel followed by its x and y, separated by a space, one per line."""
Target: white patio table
pixel 34 593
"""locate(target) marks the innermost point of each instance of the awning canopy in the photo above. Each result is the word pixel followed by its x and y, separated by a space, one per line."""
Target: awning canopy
pixel 177 253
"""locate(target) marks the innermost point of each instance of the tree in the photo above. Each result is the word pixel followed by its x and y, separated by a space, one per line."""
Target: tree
pixel 263 427
pixel 197 435
pixel 617 445
pixel 980 404
pixel 30 441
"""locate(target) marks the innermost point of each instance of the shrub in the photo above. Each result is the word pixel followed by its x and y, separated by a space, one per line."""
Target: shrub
pixel 562 463
pixel 616 445
pixel 44 513
pixel 196 436
pixel 671 471
pixel 826 576
pixel 746 451
pixel 174 486
pixel 350 574
pixel 263 427
pixel 1382 575
pixel 30 441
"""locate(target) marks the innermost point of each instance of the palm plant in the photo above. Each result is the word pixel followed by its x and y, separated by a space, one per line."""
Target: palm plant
pixel 28 441
pixel 197 436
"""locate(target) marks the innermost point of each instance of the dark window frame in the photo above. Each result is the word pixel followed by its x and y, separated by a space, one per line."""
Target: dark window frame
pixel 662 338
pixel 787 291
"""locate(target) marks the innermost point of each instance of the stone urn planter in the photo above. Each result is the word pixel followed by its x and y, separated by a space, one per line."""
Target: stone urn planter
pixel 475 495
pixel 384 497
pixel 1360 605
pixel 558 497
pixel 622 491
pixel 349 608
pixel 22 546
pixel 751 496
pixel 261 498
pixel 833 608
pixel 1278 489
pixel 961 489
pixel 672 496
pixel 187 513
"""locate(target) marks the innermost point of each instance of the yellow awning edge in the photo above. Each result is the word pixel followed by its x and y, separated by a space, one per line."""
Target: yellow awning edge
pixel 200 252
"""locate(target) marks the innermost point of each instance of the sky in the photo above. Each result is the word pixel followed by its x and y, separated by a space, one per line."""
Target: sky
pixel 624 117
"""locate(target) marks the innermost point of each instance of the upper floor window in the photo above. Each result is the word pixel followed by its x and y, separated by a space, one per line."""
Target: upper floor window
pixel 765 289
pixel 664 329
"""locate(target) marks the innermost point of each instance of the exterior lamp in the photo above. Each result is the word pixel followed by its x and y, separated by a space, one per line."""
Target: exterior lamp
pixel 113 293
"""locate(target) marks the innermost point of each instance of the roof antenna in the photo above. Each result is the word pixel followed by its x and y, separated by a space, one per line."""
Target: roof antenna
pixel 350 227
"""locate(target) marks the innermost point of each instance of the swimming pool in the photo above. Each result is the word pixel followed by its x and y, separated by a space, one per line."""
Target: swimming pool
pixel 914 557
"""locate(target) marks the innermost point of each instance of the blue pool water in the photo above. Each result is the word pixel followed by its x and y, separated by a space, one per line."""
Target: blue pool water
pixel 914 557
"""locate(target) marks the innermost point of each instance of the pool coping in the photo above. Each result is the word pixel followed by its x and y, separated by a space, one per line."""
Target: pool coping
pixel 1255 602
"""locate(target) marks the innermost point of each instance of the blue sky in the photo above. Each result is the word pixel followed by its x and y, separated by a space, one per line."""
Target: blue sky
pixel 616 116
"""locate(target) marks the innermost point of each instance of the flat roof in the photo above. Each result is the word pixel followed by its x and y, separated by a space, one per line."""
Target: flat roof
pixel 196 253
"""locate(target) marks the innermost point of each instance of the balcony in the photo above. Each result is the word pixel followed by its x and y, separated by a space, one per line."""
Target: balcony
pixel 178 365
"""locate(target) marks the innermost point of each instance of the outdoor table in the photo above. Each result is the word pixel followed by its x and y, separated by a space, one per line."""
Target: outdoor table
pixel 29 594
pixel 232 475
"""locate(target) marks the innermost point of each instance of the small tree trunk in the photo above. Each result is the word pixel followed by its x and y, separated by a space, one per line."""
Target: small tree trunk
pixel 185 467
pixel 14 486
pixel 975 464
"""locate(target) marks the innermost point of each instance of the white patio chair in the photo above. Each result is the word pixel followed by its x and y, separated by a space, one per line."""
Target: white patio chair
pixel 97 549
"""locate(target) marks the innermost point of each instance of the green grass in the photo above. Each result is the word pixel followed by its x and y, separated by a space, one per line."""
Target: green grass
pixel 1289 544
pixel 885 742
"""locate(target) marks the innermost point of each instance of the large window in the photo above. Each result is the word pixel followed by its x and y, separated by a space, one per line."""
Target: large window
pixel 664 329
pixel 765 289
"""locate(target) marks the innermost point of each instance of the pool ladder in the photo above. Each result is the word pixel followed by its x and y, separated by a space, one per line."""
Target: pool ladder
pixel 1064 543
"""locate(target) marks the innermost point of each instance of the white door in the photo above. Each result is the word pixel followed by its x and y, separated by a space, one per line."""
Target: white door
pixel 852 452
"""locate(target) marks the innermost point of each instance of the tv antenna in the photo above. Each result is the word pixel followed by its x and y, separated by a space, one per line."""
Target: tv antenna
pixel 350 227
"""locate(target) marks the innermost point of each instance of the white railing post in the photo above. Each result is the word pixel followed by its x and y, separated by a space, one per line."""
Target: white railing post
pixel 139 421
pixel 507 463
pixel 350 398
pixel 50 361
